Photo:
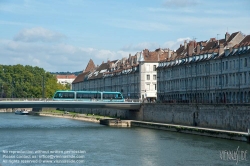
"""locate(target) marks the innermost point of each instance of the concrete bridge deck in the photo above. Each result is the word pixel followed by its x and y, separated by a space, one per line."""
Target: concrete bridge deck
pixel 70 104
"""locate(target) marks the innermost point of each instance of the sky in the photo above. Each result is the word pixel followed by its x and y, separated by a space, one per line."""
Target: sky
pixel 63 35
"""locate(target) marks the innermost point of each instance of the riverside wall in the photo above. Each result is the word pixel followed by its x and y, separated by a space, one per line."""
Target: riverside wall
pixel 7 110
pixel 234 117
pixel 124 114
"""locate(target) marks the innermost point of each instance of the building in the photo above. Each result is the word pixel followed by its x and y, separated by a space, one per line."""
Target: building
pixel 210 71
pixel 135 76
pixel 65 79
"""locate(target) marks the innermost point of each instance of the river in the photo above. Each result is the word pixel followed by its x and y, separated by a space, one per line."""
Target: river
pixel 36 140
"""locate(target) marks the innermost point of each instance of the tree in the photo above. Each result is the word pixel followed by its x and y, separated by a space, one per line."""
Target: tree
pixel 27 82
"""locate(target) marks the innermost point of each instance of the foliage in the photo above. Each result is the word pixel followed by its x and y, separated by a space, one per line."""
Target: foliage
pixel 20 81
pixel 66 73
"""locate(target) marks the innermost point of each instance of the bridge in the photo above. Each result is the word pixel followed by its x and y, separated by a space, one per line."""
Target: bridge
pixel 70 104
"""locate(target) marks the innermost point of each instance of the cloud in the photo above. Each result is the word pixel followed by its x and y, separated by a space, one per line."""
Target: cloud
pixel 173 45
pixel 38 34
pixel 140 46
pixel 180 3
pixel 54 57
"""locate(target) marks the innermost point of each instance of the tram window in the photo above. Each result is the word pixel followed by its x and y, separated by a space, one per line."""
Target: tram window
pixel 71 95
pixel 58 95
pixel 79 95
pixel 91 96
pixel 85 96
pixel 119 96
pixel 98 96
pixel 113 96
pixel 68 95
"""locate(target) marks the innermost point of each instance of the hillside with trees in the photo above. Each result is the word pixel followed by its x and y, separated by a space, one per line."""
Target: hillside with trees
pixel 20 81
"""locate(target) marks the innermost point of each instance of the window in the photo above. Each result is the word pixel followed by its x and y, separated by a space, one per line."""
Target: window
pixel 154 77
pixel 249 78
pixel 245 77
pixel 154 68
pixel 245 62
pixel 147 86
pixel 147 67
pixel 155 87
pixel 148 77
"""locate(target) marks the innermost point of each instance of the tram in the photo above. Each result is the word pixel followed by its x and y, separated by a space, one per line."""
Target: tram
pixel 104 96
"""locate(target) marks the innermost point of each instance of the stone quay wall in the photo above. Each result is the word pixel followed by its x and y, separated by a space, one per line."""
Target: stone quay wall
pixel 7 110
pixel 124 114
pixel 234 117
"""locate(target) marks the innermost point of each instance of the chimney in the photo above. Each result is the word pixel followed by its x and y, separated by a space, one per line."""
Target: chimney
pixel 119 65
pixel 230 49
pixel 185 44
pixel 227 35
pixel 190 48
pixel 174 55
pixel 169 53
pixel 221 49
pixel 198 49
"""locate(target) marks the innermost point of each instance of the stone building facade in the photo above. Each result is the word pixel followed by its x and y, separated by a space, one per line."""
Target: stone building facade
pixel 135 76
pixel 210 71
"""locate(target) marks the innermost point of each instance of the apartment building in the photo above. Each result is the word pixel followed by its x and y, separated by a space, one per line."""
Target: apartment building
pixel 135 76
pixel 209 71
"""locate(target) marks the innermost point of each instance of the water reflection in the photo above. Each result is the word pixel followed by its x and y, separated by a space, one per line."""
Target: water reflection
pixel 113 146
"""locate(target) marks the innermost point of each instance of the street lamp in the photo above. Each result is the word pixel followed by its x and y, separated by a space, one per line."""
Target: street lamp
pixel 2 91
pixel 43 88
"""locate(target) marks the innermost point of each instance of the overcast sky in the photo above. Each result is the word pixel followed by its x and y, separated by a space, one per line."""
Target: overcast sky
pixel 62 35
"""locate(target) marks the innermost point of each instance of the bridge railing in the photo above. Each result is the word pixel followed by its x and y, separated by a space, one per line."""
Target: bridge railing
pixel 50 99
pixel 25 99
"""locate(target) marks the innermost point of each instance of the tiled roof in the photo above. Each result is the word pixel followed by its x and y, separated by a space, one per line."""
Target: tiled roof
pixel 181 52
pixel 98 73
pixel 72 76
pixel 90 66
pixel 232 36
pixel 155 56
pixel 245 40
pixel 80 77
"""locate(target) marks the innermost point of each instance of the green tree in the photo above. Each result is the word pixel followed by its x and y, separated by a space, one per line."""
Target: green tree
pixel 27 82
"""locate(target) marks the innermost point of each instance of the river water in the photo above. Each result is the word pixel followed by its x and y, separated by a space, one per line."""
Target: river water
pixel 35 140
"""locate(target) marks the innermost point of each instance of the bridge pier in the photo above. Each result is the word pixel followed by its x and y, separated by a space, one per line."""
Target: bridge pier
pixel 136 114
pixel 39 109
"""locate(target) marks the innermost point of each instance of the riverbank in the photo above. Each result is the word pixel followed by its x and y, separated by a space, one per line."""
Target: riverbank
pixel 209 132
pixel 224 134
pixel 70 115
pixel 7 110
